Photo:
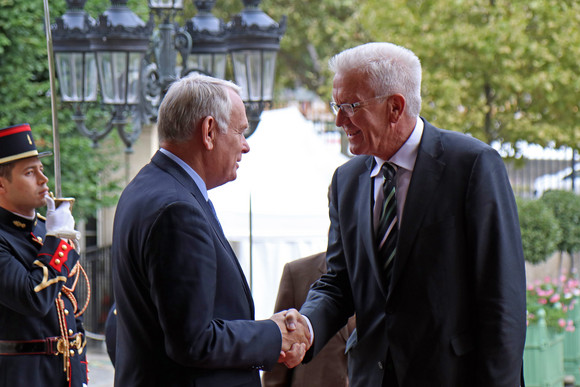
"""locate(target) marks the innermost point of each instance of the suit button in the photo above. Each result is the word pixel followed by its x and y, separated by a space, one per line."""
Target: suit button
pixel 381 365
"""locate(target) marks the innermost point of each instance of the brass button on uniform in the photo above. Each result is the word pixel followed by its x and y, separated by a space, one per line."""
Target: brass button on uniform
pixel 66 312
pixel 60 254
pixel 72 352
pixel 57 261
pixel 64 247
pixel 70 332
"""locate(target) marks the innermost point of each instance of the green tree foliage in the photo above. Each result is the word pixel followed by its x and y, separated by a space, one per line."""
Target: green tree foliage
pixel 500 70
pixel 566 207
pixel 316 31
pixel 25 97
pixel 540 230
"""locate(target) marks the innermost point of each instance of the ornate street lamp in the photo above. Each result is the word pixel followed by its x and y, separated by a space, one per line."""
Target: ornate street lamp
pixel 163 45
pixel 134 65
pixel 109 52
pixel 209 51
pixel 76 63
pixel 253 41
pixel 120 41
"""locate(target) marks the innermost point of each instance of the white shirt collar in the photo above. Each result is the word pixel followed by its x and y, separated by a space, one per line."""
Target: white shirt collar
pixel 196 178
pixel 407 153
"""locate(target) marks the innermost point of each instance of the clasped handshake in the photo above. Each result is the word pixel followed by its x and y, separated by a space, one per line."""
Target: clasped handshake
pixel 295 336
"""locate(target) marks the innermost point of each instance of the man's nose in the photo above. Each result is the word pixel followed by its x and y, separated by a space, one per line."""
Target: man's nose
pixel 245 145
pixel 341 119
pixel 42 178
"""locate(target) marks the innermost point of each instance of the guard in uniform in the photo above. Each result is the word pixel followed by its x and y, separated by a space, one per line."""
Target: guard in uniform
pixel 41 335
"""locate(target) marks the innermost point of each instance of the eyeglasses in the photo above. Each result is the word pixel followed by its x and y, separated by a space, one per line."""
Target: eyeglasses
pixel 348 109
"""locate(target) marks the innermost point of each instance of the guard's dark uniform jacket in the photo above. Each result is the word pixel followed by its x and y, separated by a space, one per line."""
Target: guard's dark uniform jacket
pixel 41 340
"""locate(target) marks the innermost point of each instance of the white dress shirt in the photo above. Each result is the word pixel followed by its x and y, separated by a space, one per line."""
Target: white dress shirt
pixel 404 159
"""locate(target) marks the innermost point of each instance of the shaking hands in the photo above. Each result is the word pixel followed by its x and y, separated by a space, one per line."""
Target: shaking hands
pixel 295 336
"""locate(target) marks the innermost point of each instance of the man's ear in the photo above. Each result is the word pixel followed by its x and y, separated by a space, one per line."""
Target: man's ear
pixel 208 132
pixel 396 105
pixel 2 185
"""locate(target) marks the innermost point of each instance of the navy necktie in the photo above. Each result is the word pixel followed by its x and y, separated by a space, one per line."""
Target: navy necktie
pixel 213 210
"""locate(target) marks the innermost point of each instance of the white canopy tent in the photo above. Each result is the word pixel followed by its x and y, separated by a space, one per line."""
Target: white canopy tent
pixel 282 189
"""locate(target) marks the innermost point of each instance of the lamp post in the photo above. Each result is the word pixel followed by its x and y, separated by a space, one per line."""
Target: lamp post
pixel 209 54
pixel 254 41
pixel 134 61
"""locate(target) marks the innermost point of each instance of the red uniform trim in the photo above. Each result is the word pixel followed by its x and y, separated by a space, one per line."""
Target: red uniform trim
pixel 16 129
pixel 60 256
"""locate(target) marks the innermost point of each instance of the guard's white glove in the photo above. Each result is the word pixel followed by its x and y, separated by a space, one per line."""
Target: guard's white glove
pixel 59 221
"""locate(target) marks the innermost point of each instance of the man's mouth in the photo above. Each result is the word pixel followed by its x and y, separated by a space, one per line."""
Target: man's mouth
pixel 351 133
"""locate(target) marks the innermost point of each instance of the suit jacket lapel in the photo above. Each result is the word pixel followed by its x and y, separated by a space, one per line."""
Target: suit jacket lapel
pixel 365 209
pixel 426 175
pixel 187 182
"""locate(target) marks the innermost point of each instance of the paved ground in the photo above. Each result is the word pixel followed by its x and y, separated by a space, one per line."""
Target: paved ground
pixel 101 371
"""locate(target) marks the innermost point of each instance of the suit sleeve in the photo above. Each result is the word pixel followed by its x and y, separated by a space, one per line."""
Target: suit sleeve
pixel 184 255
pixel 329 303
pixel 32 290
pixel 281 376
pixel 495 243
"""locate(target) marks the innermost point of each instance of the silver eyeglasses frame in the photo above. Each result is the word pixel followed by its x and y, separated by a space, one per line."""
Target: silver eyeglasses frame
pixel 348 109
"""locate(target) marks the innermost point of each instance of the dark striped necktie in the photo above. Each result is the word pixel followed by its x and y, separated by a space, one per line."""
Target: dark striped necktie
pixel 388 229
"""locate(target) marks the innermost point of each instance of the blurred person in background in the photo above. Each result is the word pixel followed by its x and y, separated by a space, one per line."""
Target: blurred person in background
pixel 329 368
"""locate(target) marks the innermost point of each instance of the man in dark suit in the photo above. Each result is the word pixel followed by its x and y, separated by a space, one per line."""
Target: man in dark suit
pixel 329 368
pixel 184 309
pixel 449 308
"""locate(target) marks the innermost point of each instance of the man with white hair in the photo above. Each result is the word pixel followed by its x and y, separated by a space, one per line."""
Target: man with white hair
pixel 424 244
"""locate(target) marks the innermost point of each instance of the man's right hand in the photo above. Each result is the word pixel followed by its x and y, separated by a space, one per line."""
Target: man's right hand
pixel 295 337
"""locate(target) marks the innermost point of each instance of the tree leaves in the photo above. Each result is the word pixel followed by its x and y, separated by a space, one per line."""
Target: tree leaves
pixel 502 71
pixel 25 97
